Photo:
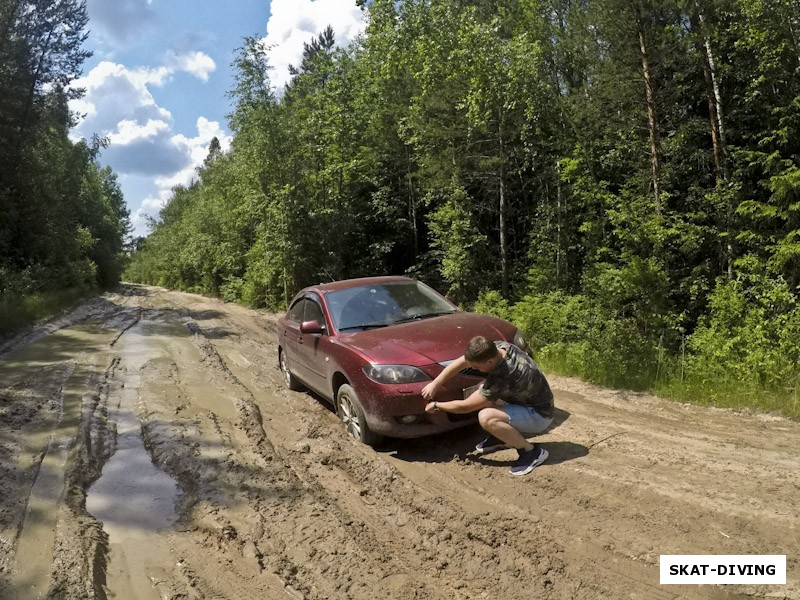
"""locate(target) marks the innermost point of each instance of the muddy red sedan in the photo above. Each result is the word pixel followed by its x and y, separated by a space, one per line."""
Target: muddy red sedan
pixel 370 345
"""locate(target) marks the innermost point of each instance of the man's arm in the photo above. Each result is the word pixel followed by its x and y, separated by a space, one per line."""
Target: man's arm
pixel 429 391
pixel 475 401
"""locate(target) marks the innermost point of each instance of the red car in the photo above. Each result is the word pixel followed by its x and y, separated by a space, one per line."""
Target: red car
pixel 370 345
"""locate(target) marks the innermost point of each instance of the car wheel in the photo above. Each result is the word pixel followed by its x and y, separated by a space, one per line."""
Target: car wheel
pixel 348 407
pixel 291 381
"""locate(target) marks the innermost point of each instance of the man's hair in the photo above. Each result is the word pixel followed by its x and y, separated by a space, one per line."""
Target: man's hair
pixel 480 349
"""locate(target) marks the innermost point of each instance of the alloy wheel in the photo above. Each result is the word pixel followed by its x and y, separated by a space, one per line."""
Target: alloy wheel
pixel 287 375
pixel 349 416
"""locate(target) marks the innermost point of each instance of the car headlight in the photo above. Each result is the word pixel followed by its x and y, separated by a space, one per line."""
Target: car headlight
pixel 519 341
pixel 395 373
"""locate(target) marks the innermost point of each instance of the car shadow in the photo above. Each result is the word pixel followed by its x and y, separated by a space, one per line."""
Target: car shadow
pixel 459 444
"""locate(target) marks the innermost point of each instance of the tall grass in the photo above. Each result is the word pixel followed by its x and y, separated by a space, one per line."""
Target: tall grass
pixel 22 311
pixel 668 381
pixel 732 395
pixel 739 357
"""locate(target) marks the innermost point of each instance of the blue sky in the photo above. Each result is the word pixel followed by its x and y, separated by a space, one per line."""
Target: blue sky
pixel 157 84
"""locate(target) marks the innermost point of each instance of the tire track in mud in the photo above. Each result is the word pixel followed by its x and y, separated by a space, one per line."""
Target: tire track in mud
pixel 373 524
pixel 77 542
pixel 31 455
pixel 80 556
pixel 553 570
pixel 405 541
pixel 278 502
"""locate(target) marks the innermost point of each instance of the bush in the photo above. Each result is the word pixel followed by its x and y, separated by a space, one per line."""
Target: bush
pixel 554 318
pixel 749 337
pixel 491 302
pixel 17 312
pixel 571 334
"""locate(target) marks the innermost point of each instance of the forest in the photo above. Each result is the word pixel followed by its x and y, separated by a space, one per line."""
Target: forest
pixel 621 178
pixel 63 218
pixel 618 177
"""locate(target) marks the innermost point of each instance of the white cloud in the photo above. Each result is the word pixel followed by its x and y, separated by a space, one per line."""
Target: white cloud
pixel 119 106
pixel 114 94
pixel 149 208
pixel 199 64
pixel 129 131
pixel 295 22
pixel 196 148
pixel 143 144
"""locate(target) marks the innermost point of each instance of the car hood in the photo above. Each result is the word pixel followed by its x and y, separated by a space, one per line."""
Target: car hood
pixel 431 340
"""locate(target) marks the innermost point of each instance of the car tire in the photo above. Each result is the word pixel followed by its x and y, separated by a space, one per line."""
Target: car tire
pixel 349 410
pixel 290 380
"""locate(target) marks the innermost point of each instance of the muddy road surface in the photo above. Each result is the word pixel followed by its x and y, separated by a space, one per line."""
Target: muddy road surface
pixel 149 450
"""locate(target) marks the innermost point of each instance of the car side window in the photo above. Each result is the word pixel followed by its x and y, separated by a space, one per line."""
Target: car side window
pixel 296 311
pixel 313 312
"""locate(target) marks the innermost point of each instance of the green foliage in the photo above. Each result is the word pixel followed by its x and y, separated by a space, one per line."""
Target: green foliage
pixel 623 172
pixel 28 309
pixel 491 302
pixel 454 234
pixel 63 219
pixel 751 334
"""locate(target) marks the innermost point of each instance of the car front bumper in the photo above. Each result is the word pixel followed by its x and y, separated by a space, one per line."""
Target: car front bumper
pixel 385 405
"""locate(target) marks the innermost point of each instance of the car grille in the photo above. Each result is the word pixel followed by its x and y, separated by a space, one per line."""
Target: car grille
pixel 458 418
pixel 470 372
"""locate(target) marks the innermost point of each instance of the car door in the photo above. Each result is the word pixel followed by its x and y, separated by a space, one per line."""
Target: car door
pixel 312 348
pixel 293 339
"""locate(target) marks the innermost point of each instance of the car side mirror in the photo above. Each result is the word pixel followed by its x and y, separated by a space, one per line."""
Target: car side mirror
pixel 310 327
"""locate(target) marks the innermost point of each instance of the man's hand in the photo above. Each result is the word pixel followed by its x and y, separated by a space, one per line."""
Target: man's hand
pixel 431 407
pixel 429 391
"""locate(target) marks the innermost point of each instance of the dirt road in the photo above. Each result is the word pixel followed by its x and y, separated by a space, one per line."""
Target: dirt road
pixel 148 450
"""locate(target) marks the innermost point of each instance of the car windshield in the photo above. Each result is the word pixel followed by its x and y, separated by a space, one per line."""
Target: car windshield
pixel 384 304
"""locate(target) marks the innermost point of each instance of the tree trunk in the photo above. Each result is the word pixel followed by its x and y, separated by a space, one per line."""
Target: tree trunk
pixel 9 24
pixel 717 119
pixel 719 111
pixel 412 203
pixel 712 112
pixel 503 208
pixel 714 99
pixel 502 204
pixel 560 212
pixel 36 76
pixel 652 120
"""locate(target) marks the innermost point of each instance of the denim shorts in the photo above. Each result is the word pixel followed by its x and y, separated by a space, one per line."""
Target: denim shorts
pixel 525 419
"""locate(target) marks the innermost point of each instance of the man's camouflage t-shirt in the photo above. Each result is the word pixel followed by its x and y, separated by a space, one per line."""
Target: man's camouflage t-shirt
pixel 517 380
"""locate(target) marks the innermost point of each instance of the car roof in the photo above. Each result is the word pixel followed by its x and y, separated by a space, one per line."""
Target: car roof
pixel 360 282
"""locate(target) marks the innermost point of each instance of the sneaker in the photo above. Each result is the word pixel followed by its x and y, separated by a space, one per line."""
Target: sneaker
pixel 490 444
pixel 528 461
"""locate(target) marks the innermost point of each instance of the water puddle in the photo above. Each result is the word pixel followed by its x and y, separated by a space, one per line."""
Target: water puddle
pixel 62 346
pixel 133 498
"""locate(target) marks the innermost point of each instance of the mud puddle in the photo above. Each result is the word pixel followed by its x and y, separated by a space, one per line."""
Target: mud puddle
pixel 46 437
pixel 134 499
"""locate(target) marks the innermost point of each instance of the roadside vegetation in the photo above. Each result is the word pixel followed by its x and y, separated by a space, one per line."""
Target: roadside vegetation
pixel 619 178
pixel 63 219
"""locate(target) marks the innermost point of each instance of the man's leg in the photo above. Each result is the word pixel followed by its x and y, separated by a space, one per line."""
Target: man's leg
pixel 496 422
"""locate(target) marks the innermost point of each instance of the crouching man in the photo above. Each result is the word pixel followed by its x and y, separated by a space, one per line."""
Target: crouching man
pixel 515 401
